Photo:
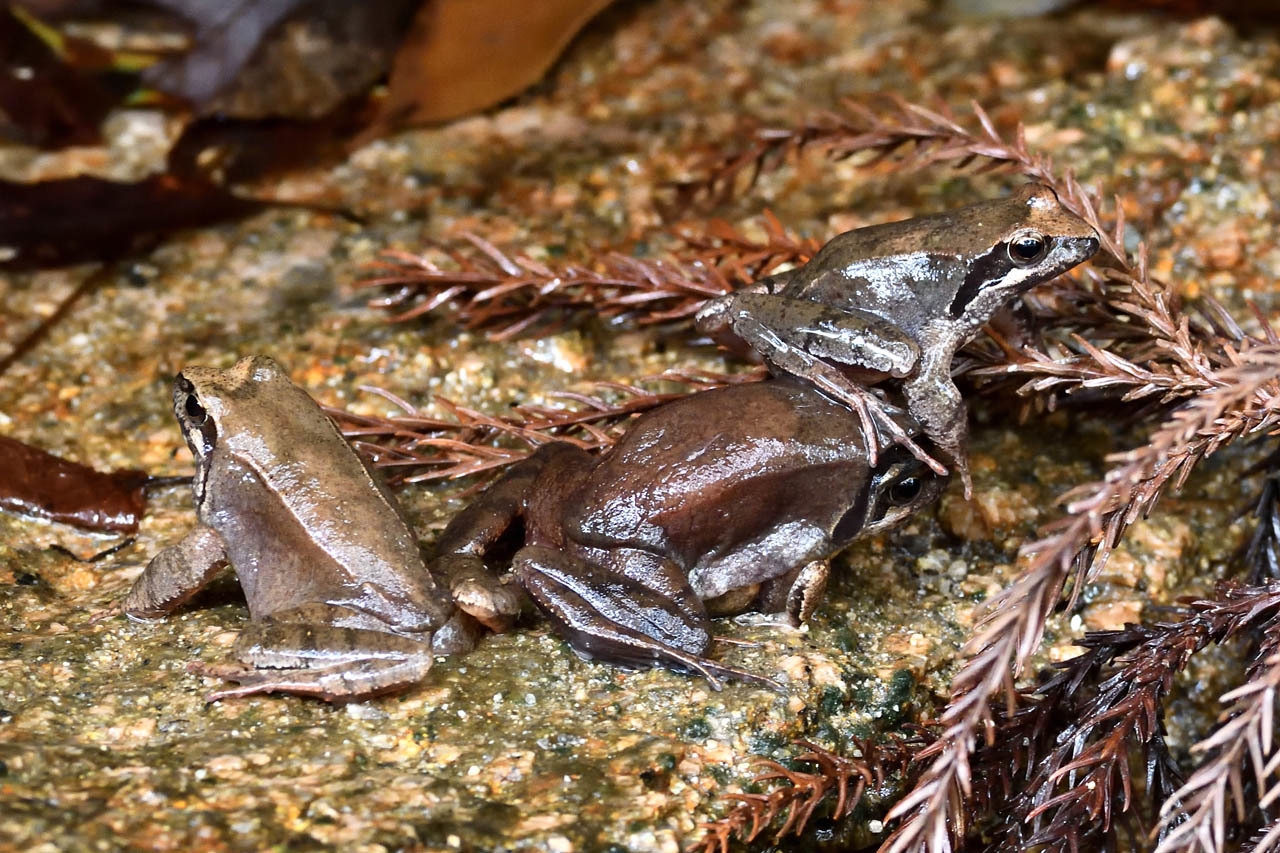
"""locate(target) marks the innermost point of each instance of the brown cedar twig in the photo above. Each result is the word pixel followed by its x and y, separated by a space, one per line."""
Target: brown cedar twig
pixel 1245 399
pixel 846 778
pixel 418 447
pixel 1247 737
pixel 504 294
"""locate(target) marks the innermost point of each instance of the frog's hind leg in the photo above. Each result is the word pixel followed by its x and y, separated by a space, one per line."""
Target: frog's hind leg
pixel 606 614
pixel 334 659
pixel 472 533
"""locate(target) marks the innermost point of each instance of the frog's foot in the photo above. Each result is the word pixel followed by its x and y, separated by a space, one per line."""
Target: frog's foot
pixel 487 600
pixel 782 621
pixel 336 683
pixel 324 661
pixel 114 609
pixel 607 615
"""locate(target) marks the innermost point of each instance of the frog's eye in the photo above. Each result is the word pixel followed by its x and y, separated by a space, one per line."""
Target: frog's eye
pixel 1027 247
pixel 195 411
pixel 905 491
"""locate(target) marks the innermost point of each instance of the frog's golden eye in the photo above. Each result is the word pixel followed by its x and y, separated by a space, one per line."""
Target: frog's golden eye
pixel 195 411
pixel 905 491
pixel 1027 247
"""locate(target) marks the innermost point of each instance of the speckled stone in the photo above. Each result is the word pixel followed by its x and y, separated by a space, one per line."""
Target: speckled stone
pixel 106 742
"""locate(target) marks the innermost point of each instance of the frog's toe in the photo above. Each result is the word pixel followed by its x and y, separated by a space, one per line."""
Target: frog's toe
pixel 224 671
pixel 107 612
pixel 492 604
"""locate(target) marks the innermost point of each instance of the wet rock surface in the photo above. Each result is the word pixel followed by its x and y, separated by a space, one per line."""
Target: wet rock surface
pixel 106 741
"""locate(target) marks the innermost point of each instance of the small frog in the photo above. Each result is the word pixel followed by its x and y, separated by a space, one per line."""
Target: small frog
pixel 715 503
pixel 896 301
pixel 340 602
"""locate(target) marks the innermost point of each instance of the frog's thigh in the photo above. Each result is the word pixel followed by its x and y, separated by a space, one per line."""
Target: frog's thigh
pixel 175 574
pixel 594 603
pixel 773 325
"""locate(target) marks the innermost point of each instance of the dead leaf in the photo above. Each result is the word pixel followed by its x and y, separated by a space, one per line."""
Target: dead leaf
pixel 45 102
pixel 38 483
pixel 69 220
pixel 465 55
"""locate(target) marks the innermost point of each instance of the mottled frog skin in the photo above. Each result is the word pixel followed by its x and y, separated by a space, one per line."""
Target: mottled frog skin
pixel 340 601
pixel 895 302
pixel 730 499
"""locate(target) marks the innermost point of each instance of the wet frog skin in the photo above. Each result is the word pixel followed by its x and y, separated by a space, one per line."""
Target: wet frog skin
pixel 341 604
pixel 896 301
pixel 730 499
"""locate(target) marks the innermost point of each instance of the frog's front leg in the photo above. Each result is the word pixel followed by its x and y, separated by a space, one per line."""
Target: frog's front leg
pixel 176 574
pixel 935 401
pixel 820 345
pixel 606 614
pixel 793 597
pixel 321 650
pixel 778 326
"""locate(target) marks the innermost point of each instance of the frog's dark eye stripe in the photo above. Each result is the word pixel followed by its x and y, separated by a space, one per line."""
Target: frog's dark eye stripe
pixel 194 410
pixel 853 520
pixel 986 270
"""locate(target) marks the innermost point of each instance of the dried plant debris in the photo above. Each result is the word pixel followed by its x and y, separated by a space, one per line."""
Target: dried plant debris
pixel 1072 743
pixel 71 220
pixel 38 483
pixel 508 294
pixel 437 72
pixel 838 778
pixel 416 447
pixel 44 101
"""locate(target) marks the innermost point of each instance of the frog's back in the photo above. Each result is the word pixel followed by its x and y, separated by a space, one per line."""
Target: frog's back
pixel 687 479
pixel 319 497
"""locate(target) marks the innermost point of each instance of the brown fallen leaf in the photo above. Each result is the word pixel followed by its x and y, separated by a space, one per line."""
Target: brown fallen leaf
pixel 35 482
pixel 465 55
pixel 44 101
pixel 69 220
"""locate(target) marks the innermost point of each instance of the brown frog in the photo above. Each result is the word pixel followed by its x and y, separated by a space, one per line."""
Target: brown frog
pixel 729 499
pixel 896 301
pixel 340 602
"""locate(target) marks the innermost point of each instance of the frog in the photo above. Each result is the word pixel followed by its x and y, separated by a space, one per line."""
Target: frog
pixel 728 500
pixel 341 604
pixel 892 303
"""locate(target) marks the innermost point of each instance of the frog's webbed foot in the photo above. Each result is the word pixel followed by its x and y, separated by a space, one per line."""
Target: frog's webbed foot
pixel 607 615
pixel 322 660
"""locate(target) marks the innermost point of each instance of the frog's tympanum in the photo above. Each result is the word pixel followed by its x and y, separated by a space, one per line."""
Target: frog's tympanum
pixel 341 603
pixel 725 500
pixel 897 301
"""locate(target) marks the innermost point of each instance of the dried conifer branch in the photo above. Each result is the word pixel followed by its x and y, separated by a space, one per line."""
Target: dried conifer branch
pixel 915 137
pixel 1262 554
pixel 1244 398
pixel 1265 840
pixel 1246 738
pixel 845 778
pixel 418 447
pixel 1076 750
pixel 507 294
